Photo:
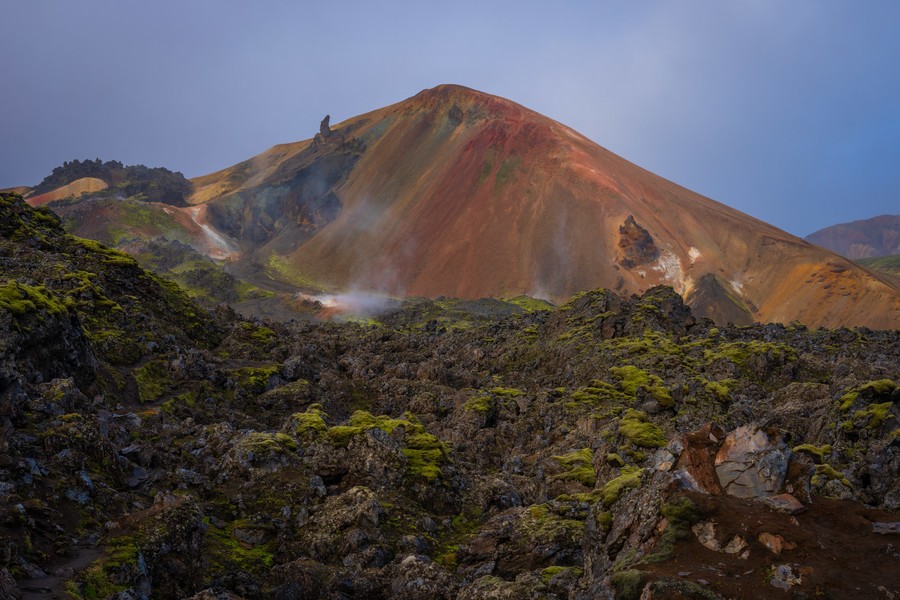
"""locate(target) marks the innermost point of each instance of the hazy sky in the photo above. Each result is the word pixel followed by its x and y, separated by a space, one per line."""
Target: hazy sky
pixel 786 110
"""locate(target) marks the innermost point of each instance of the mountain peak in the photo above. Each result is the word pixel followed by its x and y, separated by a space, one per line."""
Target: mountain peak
pixel 455 192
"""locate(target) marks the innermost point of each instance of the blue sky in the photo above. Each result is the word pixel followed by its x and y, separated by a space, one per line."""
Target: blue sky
pixel 788 111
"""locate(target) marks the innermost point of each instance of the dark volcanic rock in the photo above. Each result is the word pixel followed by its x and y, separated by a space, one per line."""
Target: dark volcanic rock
pixel 636 246
pixel 448 449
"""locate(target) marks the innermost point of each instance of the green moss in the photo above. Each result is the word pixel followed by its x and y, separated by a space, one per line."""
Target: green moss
pixel 530 304
pixel 880 387
pixel 309 424
pixel 99 580
pixel 681 514
pixel 605 520
pixel 550 572
pixel 638 430
pixel 872 417
pixel 579 467
pixel 615 460
pixel 826 472
pixel 741 353
pixel 613 489
pixel 280 268
pixel 172 405
pixel 22 300
pixel 628 584
pixel 507 392
pixel 817 452
pixel 256 380
pixel 261 336
pixel 424 451
pixel 848 399
pixel 542 525
pixel 720 390
pixel 480 404
pixel 266 444
pixel 632 378
pixel 152 381
pixel 599 393
pixel 226 553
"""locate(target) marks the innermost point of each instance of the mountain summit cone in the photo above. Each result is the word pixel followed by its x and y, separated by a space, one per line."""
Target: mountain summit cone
pixel 460 193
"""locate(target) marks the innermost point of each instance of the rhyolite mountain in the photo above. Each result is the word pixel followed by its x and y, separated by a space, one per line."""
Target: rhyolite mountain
pixel 612 447
pixel 866 238
pixel 459 193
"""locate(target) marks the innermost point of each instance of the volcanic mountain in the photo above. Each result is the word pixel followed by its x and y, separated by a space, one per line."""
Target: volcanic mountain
pixel 459 193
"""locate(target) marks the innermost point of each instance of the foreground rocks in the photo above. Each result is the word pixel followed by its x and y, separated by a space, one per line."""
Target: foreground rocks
pixel 612 447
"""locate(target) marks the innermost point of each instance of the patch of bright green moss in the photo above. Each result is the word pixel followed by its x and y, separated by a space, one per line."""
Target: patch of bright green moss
pixel 227 554
pixel 256 379
pixel 20 299
pixel 266 444
pixel 615 460
pixel 879 387
pixel 283 270
pixel 740 353
pixel 480 404
pixel 848 399
pixel 871 417
pixel 637 429
pixel 720 390
pixel 550 572
pixel 530 304
pixel 152 381
pixel 261 336
pixel 579 467
pixel 507 392
pixel 628 584
pixel 632 378
pixel 110 256
pixel 309 424
pixel 599 393
pixel 424 451
pixel 613 489
pixel 543 525
pixel 816 452
pixel 826 472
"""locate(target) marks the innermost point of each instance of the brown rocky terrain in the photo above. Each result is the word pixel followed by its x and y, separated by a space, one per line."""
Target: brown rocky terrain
pixel 612 447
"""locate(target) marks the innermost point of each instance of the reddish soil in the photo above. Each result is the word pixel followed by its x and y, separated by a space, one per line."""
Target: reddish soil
pixel 837 553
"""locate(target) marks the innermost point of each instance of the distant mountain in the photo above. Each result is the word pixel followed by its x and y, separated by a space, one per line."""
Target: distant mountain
pixel 868 238
pixel 459 193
